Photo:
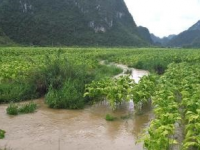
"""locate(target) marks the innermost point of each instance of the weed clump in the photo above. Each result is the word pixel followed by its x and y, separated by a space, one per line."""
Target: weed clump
pixel 68 96
pixel 14 109
pixel 110 117
pixel 27 108
pixel 2 134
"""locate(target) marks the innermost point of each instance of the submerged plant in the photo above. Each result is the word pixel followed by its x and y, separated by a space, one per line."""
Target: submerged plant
pixel 110 117
pixel 27 108
pixel 115 90
pixel 2 134
pixel 12 109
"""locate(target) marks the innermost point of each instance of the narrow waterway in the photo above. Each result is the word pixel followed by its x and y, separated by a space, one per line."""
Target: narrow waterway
pixel 135 74
pixel 87 129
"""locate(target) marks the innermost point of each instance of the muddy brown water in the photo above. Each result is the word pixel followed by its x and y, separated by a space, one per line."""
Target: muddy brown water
pixel 50 129
pixel 136 74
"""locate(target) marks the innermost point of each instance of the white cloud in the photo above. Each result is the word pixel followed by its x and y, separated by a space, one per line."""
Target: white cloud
pixel 164 17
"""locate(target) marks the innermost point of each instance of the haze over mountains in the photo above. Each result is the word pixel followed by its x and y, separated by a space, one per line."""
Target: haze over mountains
pixel 162 41
pixel 187 38
pixel 76 22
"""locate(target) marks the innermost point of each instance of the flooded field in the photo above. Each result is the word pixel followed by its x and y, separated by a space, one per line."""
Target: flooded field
pixel 49 129
pixel 87 129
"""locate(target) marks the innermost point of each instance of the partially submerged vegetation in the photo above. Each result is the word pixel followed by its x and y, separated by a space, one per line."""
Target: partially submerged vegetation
pixel 2 134
pixel 64 75
pixel 53 73
pixel 15 109
pixel 110 117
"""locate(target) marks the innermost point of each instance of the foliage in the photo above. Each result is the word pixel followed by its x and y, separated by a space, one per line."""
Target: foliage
pixel 17 91
pixel 12 109
pixel 61 75
pixel 118 90
pixel 110 117
pixel 178 89
pixel 27 108
pixel 55 23
pixel 69 96
pixel 15 109
pixel 39 71
pixel 115 90
pixel 2 134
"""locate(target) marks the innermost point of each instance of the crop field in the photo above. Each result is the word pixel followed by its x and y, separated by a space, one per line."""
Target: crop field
pixel 71 78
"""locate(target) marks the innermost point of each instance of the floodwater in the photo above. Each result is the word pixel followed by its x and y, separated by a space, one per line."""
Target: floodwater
pixel 87 129
pixel 136 74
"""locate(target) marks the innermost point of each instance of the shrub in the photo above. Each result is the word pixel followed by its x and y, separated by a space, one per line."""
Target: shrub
pixel 69 96
pixel 65 83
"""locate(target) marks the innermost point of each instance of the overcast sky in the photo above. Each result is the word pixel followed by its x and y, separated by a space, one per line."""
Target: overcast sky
pixel 165 17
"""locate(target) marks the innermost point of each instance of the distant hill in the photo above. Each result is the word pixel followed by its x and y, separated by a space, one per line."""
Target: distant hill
pixel 69 22
pixel 162 41
pixel 144 33
pixel 195 43
pixel 196 26
pixel 188 38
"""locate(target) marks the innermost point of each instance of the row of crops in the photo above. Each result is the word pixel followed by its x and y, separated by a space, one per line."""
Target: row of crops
pixel 17 62
pixel 176 101
pixel 173 87
pixel 175 96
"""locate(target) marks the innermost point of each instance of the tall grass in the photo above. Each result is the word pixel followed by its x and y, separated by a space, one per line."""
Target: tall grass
pixel 158 66
pixel 62 82
pixel 17 91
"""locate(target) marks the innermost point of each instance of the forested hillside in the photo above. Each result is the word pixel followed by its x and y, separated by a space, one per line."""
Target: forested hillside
pixel 69 22
pixel 188 38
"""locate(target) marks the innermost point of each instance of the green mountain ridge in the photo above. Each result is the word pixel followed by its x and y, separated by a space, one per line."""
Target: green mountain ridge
pixel 69 22
pixel 145 34
pixel 188 38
